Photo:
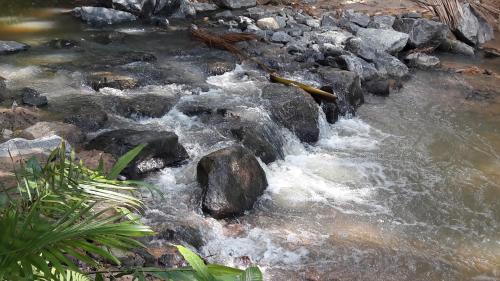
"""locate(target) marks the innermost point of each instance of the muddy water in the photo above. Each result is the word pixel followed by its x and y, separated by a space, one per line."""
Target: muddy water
pixel 407 190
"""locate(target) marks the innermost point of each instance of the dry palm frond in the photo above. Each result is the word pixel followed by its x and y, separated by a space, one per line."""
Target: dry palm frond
pixel 238 37
pixel 216 41
pixel 487 11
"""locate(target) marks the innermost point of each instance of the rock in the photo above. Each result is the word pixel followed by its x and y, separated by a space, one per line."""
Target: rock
pixel 328 20
pixel 136 7
pixel 422 60
pixel 32 97
pixel 422 32
pixel 358 47
pixel 390 65
pixel 365 70
pixel 382 22
pixel 412 15
pixel 383 40
pixel 357 18
pixel 102 79
pixel 21 147
pixel 232 180
pixel 63 43
pixel 268 23
pixel 3 88
pixel 185 9
pixel 219 67
pixel 162 149
pixel 148 105
pixel 227 14
pixel 379 87
pixel 468 26
pixel 294 109
pixel 485 32
pixel 204 7
pixel 281 37
pixel 69 132
pixel 337 38
pixel 236 4
pixel 101 16
pixel 179 233
pixel 91 159
pixel 161 21
pixel 17 119
pixel 314 23
pixel 347 86
pixel 82 111
pixel 331 111
pixel 11 47
pixel 260 139
pixel 106 38
pixel 456 47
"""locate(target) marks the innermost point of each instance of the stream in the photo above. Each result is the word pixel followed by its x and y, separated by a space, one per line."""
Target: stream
pixel 407 190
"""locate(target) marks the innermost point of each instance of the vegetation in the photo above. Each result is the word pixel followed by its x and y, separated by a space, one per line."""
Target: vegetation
pixel 63 214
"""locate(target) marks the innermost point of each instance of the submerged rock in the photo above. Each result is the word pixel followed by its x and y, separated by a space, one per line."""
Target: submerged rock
pixel 33 98
pixel 260 139
pixel 149 105
pixel 294 109
pixel 102 79
pixel 69 132
pixel 162 149
pixel 101 16
pixel 422 60
pixel 232 180
pixel 20 147
pixel 63 43
pixel 383 40
pixel 422 32
pixel 11 47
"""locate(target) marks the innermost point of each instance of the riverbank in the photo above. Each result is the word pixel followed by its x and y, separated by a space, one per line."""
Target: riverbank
pixel 395 174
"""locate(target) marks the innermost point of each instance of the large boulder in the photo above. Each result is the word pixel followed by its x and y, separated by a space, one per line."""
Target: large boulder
pixel 294 109
pixel 32 97
pixel 383 40
pixel 162 149
pixel 468 26
pixel 232 180
pixel 102 16
pixel 85 112
pixel 382 22
pixel 69 132
pixel 456 47
pixel 11 47
pixel 346 85
pixel 136 7
pixel 148 105
pixel 423 33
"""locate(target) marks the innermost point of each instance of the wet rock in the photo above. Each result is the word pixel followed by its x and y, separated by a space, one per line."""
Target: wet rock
pixel 162 149
pixel 32 97
pixel 63 44
pixel 227 14
pixel 219 67
pixel 161 21
pixel 101 16
pixel 3 88
pixel 102 79
pixel 379 87
pixel 294 109
pixel 421 60
pixel 149 105
pixel 390 65
pixel 136 7
pixel 347 86
pixel 81 111
pixel 204 7
pixel 11 47
pixel 331 111
pixel 22 147
pixel 422 32
pixel 364 69
pixel 468 26
pixel 179 233
pixel 383 40
pixel 281 37
pixel 236 4
pixel 125 57
pixel 357 18
pixel 260 139
pixel 232 180
pixel 17 119
pixel 382 22
pixel 456 47
pixel 268 23
pixel 106 38
pixel 185 9
pixel 69 132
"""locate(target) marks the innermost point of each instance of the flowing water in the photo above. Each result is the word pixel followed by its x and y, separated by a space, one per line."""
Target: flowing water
pixel 407 190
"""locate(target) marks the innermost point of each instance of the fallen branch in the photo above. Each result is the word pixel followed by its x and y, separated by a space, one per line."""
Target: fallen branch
pixel 311 90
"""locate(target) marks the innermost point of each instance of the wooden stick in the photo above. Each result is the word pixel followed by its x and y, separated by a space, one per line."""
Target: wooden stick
pixel 311 90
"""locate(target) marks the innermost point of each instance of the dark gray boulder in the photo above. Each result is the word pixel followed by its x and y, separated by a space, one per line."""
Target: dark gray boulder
pixel 364 69
pixel 260 139
pixel 162 149
pixel 360 48
pixel 346 85
pixel 11 47
pixel 85 112
pixel 102 16
pixel 456 47
pixel 232 180
pixel 391 66
pixel 378 87
pixel 382 22
pixel 294 109
pixel 104 79
pixel 383 40
pixel 147 105
pixel 468 26
pixel 328 20
pixel 357 18
pixel 423 33
pixel 331 111
pixel 32 97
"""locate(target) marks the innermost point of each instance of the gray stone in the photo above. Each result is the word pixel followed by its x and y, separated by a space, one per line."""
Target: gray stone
pixel 135 7
pixel 100 15
pixel 232 180
pixel 102 79
pixel 227 14
pixel 236 4
pixel 268 23
pixel 184 9
pixel 485 32
pixel 365 70
pixel 281 37
pixel 468 26
pixel 148 105
pixel 162 149
pixel 159 21
pixel 421 60
pixel 422 32
pixel 337 38
pixel 204 7
pixel 331 111
pixel 456 47
pixel 382 22
pixel 33 98
pixel 358 47
pixel 69 132
pixel 378 87
pixel 383 40
pixel 261 139
pixel 328 20
pixel 294 109
pixel 85 112
pixel 23 147
pixel 357 18
pixel 11 47
pixel 314 23
pixel 390 65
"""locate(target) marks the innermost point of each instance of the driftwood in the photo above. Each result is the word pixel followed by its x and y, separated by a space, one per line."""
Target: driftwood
pixel 227 41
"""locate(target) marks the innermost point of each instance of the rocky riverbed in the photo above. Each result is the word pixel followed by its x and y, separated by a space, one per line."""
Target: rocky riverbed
pixel 395 179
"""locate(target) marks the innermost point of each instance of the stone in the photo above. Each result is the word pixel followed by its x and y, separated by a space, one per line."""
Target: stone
pixel 383 40
pixel 106 38
pixel 314 23
pixel 82 111
pixel 422 32
pixel 456 47
pixel 485 32
pixel 357 18
pixel 227 14
pixel 378 87
pixel 412 15
pixel 390 65
pixel 161 21
pixel 294 109
pixel 232 180
pixel 102 79
pixel 69 132
pixel 12 47
pixel 32 97
pixel 21 147
pixel 146 105
pixel 162 149
pixel 219 67
pixel 183 9
pixel 358 47
pixel 337 38
pixel 135 7
pixel 468 26
pixel 382 22
pixel 91 159
pixel 236 4
pixel 331 111
pixel 3 88
pixel 63 43
pixel 260 139
pixel 365 70
pixel 281 37
pixel 17 119
pixel 421 60
pixel 346 85
pixel 328 20
pixel 204 7
pixel 102 16
pixel 268 23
